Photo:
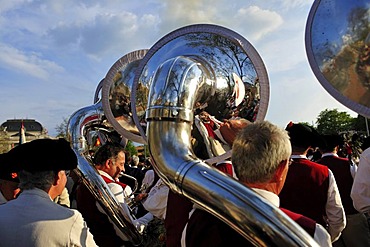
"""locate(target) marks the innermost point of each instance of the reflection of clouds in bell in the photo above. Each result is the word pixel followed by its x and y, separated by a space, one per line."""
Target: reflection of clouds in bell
pixel 340 51
pixel 221 83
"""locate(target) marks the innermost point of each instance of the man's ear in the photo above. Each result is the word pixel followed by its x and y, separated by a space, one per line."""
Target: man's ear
pixel 280 170
pixel 107 163
pixel 57 178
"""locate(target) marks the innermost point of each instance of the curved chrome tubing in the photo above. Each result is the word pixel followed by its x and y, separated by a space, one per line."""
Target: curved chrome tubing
pixel 78 126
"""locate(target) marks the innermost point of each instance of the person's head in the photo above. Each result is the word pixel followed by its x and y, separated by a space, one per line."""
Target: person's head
pixel 42 164
pixel 110 158
pixel 230 129
pixel 303 137
pixel 261 154
pixel 331 143
pixel 135 160
pixel 9 181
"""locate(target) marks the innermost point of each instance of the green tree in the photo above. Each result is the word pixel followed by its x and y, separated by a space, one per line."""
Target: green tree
pixel 333 121
pixel 62 128
pixel 307 124
pixel 130 147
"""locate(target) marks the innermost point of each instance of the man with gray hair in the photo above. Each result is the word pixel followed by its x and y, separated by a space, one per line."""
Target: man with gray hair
pixel 260 155
pixel 33 219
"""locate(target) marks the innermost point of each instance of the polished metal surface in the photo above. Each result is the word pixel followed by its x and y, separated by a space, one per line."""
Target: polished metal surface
pixel 79 126
pixel 231 83
pixel 192 67
pixel 337 45
pixel 98 90
pixel 116 93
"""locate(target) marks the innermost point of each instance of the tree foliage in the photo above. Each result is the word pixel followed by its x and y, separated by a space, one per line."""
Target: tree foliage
pixel 61 129
pixel 130 148
pixel 333 121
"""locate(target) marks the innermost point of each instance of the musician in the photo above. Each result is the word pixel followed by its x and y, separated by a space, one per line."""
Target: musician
pixel 109 160
pixel 356 232
pixel 9 181
pixel 260 155
pixel 310 188
pixel 33 219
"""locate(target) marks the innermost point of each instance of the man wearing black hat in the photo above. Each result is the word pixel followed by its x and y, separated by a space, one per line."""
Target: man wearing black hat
pixel 356 232
pixel 33 219
pixel 8 182
pixel 310 188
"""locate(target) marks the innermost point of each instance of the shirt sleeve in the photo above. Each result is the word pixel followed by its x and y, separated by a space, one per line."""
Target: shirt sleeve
pixel 353 169
pixel 117 191
pixel 80 234
pixel 156 202
pixel 334 210
pixel 321 236
pixel 360 192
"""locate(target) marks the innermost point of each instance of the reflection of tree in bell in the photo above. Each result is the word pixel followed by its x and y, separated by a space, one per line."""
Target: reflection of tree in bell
pixel 347 67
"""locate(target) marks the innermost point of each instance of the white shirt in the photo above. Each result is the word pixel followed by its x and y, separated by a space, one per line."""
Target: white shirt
pixel 2 198
pixel 147 180
pixel 117 189
pixel 122 196
pixel 156 201
pixel 360 192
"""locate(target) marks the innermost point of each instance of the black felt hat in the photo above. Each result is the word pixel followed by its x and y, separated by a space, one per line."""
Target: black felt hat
pixel 42 155
pixel 303 136
pixel 331 141
pixel 5 171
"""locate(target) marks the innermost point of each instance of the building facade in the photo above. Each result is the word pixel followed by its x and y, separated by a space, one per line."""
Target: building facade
pixel 15 131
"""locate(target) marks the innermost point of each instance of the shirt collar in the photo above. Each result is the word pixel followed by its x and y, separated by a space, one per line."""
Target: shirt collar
pixel 269 196
pixel 298 156
pixel 103 173
pixel 37 192
pixel 329 154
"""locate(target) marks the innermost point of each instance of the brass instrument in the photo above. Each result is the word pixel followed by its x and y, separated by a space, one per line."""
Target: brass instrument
pixel 196 65
pixel 200 67
pixel 92 120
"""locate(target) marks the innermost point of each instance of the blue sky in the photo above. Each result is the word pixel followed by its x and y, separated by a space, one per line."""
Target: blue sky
pixel 54 53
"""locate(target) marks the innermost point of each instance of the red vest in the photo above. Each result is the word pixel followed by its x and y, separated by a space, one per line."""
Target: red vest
pixel 177 214
pixel 342 173
pixel 206 230
pixel 306 223
pixel 108 181
pixel 305 190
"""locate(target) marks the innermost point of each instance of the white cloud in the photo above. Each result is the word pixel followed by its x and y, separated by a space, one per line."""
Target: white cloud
pixel 27 63
pixel 258 22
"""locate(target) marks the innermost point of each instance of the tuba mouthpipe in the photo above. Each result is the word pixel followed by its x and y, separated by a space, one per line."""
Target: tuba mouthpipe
pixel 173 94
pixel 78 126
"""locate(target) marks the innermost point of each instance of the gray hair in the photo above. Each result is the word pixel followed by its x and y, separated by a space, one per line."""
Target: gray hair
pixel 257 151
pixel 42 180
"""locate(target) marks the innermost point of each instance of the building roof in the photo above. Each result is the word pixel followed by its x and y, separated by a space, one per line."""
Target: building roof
pixel 14 125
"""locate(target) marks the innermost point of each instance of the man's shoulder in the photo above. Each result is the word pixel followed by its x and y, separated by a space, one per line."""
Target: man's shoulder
pixel 314 165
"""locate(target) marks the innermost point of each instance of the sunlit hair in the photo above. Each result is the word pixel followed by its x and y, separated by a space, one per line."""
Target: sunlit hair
pixel 41 180
pixel 107 151
pixel 258 150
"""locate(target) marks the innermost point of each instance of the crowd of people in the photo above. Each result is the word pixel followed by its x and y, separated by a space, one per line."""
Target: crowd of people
pixel 300 172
